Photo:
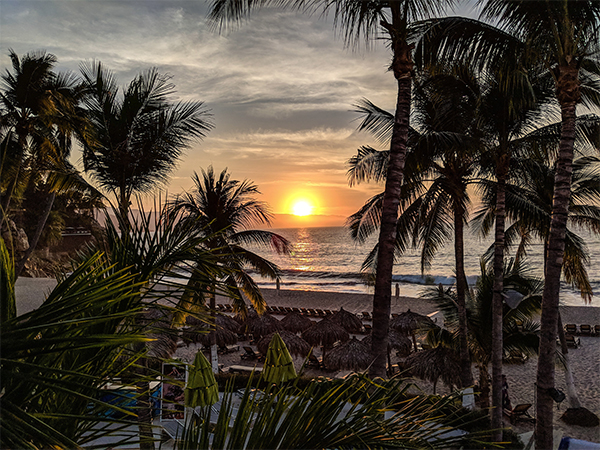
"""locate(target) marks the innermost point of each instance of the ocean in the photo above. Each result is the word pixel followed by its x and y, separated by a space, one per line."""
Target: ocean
pixel 327 259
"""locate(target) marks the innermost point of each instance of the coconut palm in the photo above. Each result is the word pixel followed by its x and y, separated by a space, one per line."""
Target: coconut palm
pixel 40 114
pixel 320 415
pixel 520 332
pixel 444 153
pixel 226 209
pixel 139 134
pixel 369 20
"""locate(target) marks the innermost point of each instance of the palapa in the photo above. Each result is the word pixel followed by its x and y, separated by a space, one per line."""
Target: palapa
pixel 295 344
pixel 396 341
pixel 435 363
pixel 200 332
pixel 262 325
pixel 348 321
pixel 295 322
pixel 157 324
pixel 352 355
pixel 225 321
pixel 325 333
pixel 408 322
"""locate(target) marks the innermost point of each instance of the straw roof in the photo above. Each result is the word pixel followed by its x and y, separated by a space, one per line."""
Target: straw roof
pixel 435 363
pixel 295 344
pixel 348 321
pixel 157 323
pixel 351 355
pixel 408 322
pixel 396 341
pixel 295 322
pixel 325 333
pixel 225 321
pixel 262 325
pixel 198 331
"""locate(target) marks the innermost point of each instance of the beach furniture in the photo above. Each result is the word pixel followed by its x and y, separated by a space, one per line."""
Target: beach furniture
pixel 571 328
pixel 366 315
pixel 314 362
pixel 224 349
pixel 244 369
pixel 585 330
pixel 367 328
pixel 597 330
pixel 320 313
pixel 515 356
pixel 571 341
pixel 250 353
pixel 519 412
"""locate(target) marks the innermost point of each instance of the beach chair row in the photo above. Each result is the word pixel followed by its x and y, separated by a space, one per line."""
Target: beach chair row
pixel 310 312
pixel 582 330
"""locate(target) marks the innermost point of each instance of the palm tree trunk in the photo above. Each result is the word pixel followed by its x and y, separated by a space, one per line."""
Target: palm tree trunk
pixel 484 387
pixel 568 95
pixel 402 66
pixel 466 377
pixel 43 218
pixel 571 391
pixel 497 302
pixel 214 356
pixel 144 407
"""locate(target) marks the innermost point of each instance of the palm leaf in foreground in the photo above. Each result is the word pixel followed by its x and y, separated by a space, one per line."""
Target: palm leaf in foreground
pixel 357 412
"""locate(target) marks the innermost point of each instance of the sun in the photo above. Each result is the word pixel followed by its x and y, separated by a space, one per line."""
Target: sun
pixel 302 208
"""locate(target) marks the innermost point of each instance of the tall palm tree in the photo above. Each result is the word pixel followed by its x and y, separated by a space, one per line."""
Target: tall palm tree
pixel 566 36
pixel 446 151
pixel 41 109
pixel 370 19
pixel 226 209
pixel 520 332
pixel 139 134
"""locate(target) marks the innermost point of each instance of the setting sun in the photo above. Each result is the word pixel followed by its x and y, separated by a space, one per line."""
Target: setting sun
pixel 302 208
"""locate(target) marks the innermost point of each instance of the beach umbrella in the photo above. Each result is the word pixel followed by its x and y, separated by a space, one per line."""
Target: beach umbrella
pixel 200 332
pixel 157 323
pixel 348 321
pixel 432 364
pixel 396 341
pixel 408 322
pixel 225 321
pixel 279 366
pixel 351 355
pixel 325 333
pixel 262 325
pixel 202 388
pixel 295 344
pixel 295 322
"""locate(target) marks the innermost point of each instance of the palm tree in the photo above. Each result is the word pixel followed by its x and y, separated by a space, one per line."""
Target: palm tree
pixel 320 415
pixel 368 19
pixel 40 109
pixel 139 135
pixel 225 209
pixel 520 332
pixel 566 36
pixel 445 151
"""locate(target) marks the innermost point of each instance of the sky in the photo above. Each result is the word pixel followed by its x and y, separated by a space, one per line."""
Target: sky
pixel 280 87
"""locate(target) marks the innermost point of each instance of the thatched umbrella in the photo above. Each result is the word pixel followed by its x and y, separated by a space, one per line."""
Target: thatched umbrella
pixel 396 341
pixel 325 333
pixel 435 363
pixel 225 321
pixel 157 323
pixel 348 321
pixel 296 323
pixel 295 344
pixel 199 331
pixel 351 355
pixel 408 322
pixel 260 326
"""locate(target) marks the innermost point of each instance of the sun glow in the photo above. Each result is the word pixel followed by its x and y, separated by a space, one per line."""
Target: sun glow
pixel 302 208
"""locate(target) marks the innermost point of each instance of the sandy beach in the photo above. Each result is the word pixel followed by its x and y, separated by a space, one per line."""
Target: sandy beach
pixel 585 360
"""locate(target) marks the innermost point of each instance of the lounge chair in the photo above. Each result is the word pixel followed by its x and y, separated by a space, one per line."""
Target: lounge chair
pixel 585 330
pixel 224 349
pixel 571 328
pixel 519 412
pixel 367 328
pixel 320 313
pixel 596 330
pixel 250 353
pixel 571 341
pixel 366 315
